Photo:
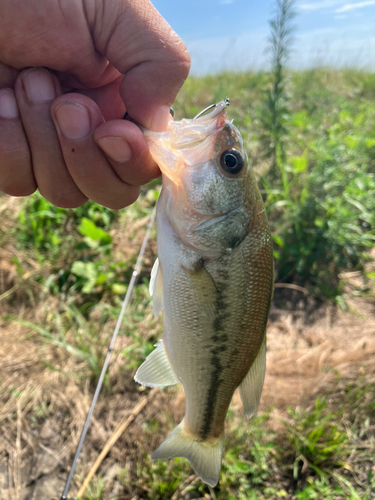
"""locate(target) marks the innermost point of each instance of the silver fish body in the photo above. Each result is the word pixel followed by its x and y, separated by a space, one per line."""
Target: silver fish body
pixel 214 280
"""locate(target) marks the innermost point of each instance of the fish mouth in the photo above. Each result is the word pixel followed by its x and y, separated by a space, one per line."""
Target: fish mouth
pixel 187 133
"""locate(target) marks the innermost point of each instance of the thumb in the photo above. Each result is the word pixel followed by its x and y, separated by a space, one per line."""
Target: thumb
pixel 141 45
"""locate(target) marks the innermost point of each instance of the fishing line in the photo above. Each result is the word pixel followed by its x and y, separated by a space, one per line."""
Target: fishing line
pixel 133 280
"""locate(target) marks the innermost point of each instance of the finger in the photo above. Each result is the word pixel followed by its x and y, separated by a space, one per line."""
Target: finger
pixel 16 175
pixel 76 120
pixel 143 47
pixel 8 76
pixel 127 151
pixel 35 91
pixel 108 99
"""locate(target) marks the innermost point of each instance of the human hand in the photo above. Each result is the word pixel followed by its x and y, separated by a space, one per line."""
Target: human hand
pixel 68 72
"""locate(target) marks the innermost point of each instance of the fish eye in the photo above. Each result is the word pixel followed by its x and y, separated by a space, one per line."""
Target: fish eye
pixel 231 161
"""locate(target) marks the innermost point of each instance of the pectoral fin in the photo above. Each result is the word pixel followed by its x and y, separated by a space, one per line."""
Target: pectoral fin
pixel 252 385
pixel 156 288
pixel 156 371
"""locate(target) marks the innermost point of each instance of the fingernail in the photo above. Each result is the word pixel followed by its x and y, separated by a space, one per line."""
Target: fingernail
pixel 8 104
pixel 73 120
pixel 39 86
pixel 159 123
pixel 116 148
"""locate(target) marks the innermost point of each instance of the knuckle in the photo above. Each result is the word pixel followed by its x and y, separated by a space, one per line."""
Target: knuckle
pixel 184 59
pixel 178 54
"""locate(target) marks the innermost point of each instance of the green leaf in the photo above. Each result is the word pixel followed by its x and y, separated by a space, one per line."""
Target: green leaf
pixel 103 277
pixel 83 269
pixel 351 141
pixel 277 240
pixel 119 289
pixel 299 163
pixel 87 271
pixel 89 229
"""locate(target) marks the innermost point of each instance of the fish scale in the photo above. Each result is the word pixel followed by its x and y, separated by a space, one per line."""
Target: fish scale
pixel 214 280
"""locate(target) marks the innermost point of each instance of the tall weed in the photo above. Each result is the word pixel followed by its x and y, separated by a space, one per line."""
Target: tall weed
pixel 276 103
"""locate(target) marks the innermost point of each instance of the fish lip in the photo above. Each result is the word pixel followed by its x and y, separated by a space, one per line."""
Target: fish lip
pixel 197 123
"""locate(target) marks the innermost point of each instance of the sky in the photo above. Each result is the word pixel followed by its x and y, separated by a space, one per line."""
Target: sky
pixel 232 34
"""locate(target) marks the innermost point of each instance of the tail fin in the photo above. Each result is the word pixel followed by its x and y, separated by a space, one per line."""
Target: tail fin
pixel 204 456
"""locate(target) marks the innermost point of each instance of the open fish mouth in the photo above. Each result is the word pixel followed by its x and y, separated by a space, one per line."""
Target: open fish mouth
pixel 187 133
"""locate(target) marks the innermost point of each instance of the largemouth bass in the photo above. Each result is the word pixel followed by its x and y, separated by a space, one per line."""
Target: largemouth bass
pixel 214 280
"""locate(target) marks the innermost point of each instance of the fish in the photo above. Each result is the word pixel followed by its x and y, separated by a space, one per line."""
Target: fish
pixel 214 280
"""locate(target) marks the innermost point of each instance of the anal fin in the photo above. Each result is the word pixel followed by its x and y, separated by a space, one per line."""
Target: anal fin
pixel 252 385
pixel 156 371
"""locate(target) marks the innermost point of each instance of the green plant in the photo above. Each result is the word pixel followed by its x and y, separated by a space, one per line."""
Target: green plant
pixel 328 208
pixel 96 491
pixel 276 105
pixel 316 438
pixel 320 487
pixel 251 454
pixel 44 227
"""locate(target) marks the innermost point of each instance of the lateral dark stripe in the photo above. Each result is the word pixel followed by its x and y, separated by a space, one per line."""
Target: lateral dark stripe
pixel 219 340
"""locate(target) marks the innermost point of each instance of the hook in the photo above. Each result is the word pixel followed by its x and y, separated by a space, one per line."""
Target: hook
pixel 227 102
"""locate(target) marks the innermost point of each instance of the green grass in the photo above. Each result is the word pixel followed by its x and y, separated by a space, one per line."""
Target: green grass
pixel 312 458
pixel 321 209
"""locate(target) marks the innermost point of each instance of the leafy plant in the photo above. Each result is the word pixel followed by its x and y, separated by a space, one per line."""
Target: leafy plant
pixel 44 227
pixel 328 209
pixel 316 438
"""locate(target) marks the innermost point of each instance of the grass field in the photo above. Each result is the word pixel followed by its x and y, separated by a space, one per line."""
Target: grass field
pixel 63 275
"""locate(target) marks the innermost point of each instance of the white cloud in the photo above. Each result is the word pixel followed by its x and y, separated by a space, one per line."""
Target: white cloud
pixel 325 4
pixel 358 5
